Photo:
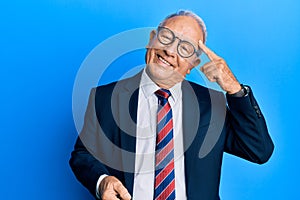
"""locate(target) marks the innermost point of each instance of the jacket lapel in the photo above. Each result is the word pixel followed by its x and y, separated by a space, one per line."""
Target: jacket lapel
pixel 190 114
pixel 127 103
pixel 190 123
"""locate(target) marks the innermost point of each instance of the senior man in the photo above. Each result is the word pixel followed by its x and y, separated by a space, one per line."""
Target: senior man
pixel 158 136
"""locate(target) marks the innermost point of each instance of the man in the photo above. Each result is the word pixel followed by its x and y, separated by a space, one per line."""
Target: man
pixel 157 136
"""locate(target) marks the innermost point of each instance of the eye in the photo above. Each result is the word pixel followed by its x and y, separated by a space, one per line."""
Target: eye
pixel 165 36
pixel 185 48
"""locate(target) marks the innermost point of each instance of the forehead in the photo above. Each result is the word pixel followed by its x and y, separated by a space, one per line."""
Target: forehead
pixel 185 26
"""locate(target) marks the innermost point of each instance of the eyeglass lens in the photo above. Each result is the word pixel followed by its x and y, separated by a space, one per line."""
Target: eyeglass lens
pixel 166 36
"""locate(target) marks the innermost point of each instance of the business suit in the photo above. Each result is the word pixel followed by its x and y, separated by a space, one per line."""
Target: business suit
pixel 110 127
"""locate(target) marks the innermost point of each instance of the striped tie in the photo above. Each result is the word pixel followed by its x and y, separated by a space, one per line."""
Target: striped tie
pixel 164 156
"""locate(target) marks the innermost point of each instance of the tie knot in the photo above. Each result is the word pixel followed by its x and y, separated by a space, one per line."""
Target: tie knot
pixel 163 93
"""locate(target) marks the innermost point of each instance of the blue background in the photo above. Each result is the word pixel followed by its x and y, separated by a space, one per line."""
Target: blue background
pixel 43 44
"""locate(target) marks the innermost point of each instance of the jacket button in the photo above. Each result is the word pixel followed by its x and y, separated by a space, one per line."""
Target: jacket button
pixel 257 111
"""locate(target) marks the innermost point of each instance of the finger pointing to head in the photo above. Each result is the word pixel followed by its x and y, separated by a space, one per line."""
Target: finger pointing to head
pixel 211 55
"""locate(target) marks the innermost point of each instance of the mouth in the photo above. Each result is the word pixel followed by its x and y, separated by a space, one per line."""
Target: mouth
pixel 164 61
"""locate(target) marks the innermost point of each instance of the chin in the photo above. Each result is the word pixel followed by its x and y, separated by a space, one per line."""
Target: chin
pixel 157 71
pixel 162 77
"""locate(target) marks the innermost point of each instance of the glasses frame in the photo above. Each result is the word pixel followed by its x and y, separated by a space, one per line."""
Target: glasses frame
pixel 198 52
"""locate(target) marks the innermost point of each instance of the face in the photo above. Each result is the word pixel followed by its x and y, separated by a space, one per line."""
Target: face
pixel 164 65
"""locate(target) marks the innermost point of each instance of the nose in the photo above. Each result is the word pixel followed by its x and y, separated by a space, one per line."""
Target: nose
pixel 171 50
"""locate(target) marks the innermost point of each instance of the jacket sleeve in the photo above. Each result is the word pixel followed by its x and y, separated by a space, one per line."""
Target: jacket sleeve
pixel 247 136
pixel 86 167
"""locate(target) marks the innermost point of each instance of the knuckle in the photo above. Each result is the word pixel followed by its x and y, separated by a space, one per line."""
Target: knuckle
pixel 124 192
pixel 108 195
pixel 222 65
pixel 117 184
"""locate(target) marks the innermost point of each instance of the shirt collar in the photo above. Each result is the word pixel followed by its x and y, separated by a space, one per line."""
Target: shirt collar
pixel 149 87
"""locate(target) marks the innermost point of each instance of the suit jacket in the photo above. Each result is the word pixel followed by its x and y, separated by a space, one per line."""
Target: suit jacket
pixel 211 126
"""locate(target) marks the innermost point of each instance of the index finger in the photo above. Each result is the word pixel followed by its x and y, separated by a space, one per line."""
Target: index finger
pixel 211 55
pixel 122 191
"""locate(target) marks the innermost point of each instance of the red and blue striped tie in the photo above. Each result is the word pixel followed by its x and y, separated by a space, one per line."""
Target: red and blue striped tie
pixel 164 153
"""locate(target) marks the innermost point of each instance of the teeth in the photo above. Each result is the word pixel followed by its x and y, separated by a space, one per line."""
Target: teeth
pixel 164 61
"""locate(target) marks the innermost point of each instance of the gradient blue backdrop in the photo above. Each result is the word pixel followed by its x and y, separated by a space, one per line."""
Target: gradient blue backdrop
pixel 43 44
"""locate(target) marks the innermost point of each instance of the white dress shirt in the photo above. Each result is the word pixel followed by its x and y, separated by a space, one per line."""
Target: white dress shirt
pixel 143 187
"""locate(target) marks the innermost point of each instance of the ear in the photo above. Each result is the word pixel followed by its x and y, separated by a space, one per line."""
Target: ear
pixel 196 62
pixel 152 34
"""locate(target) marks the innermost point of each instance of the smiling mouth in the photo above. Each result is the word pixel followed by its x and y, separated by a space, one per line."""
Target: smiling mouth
pixel 164 61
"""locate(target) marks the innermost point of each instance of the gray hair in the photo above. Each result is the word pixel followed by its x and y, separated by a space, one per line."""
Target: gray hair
pixel 190 14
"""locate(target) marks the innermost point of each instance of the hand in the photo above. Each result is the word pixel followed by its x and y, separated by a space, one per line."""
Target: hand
pixel 112 189
pixel 218 71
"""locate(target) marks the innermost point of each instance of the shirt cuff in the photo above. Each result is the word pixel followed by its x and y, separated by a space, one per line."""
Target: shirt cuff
pixel 98 195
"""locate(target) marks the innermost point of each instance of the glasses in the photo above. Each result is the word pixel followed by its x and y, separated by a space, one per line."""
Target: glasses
pixel 184 48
